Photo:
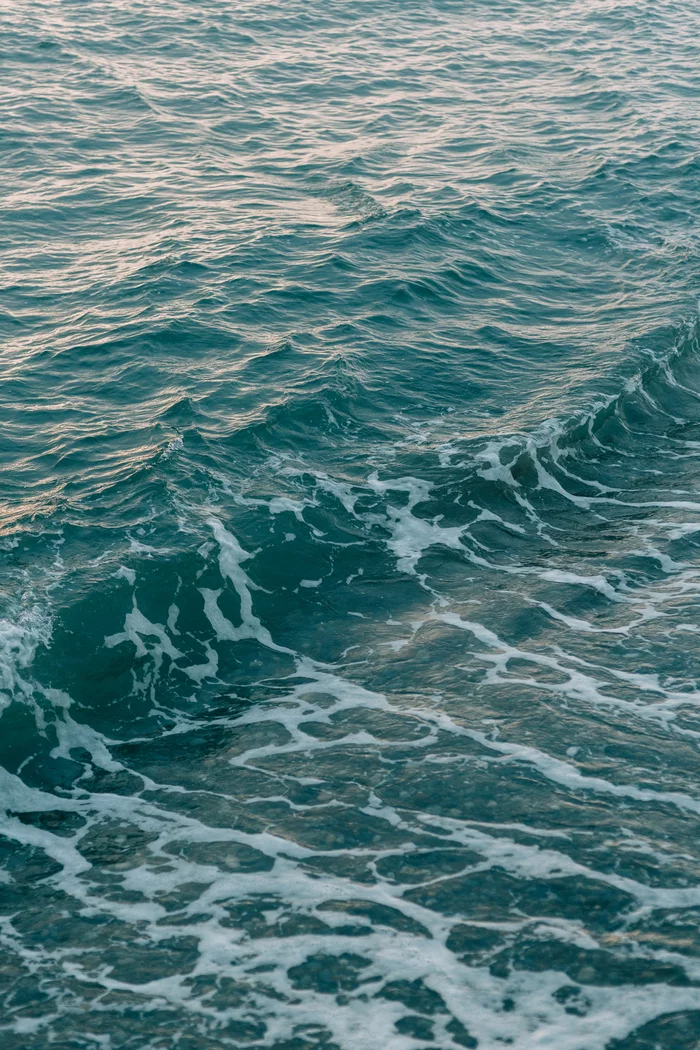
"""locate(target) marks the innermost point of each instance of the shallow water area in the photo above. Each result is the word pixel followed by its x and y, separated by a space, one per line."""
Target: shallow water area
pixel 349 526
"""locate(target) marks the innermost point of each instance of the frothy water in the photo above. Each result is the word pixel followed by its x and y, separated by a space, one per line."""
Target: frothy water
pixel 350 527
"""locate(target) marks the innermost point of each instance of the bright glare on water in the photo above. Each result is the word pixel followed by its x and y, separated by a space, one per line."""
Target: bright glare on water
pixel 350 525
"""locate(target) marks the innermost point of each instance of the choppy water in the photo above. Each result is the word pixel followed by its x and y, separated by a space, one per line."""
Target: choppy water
pixel 350 513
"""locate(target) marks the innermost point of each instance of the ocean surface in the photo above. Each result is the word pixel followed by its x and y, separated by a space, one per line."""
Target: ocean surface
pixel 350 525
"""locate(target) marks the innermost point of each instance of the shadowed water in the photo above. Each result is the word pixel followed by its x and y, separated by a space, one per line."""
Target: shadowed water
pixel 350 512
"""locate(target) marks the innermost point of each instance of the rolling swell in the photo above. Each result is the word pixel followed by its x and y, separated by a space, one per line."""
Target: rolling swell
pixel 190 715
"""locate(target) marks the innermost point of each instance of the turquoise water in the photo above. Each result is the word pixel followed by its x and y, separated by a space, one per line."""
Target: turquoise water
pixel 350 442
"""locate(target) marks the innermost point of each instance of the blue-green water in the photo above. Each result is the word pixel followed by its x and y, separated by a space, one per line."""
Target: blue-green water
pixel 349 605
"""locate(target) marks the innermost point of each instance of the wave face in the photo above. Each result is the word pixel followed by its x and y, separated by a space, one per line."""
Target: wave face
pixel 350 527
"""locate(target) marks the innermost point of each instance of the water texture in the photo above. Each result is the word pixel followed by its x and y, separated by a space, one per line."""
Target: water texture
pixel 350 449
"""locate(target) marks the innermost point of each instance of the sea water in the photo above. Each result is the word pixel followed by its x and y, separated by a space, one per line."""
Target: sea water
pixel 349 633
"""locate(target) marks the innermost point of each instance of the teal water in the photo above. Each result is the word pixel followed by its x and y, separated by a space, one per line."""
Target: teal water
pixel 350 523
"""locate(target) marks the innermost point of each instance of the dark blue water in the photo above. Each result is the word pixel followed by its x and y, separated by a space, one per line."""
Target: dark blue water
pixel 350 521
